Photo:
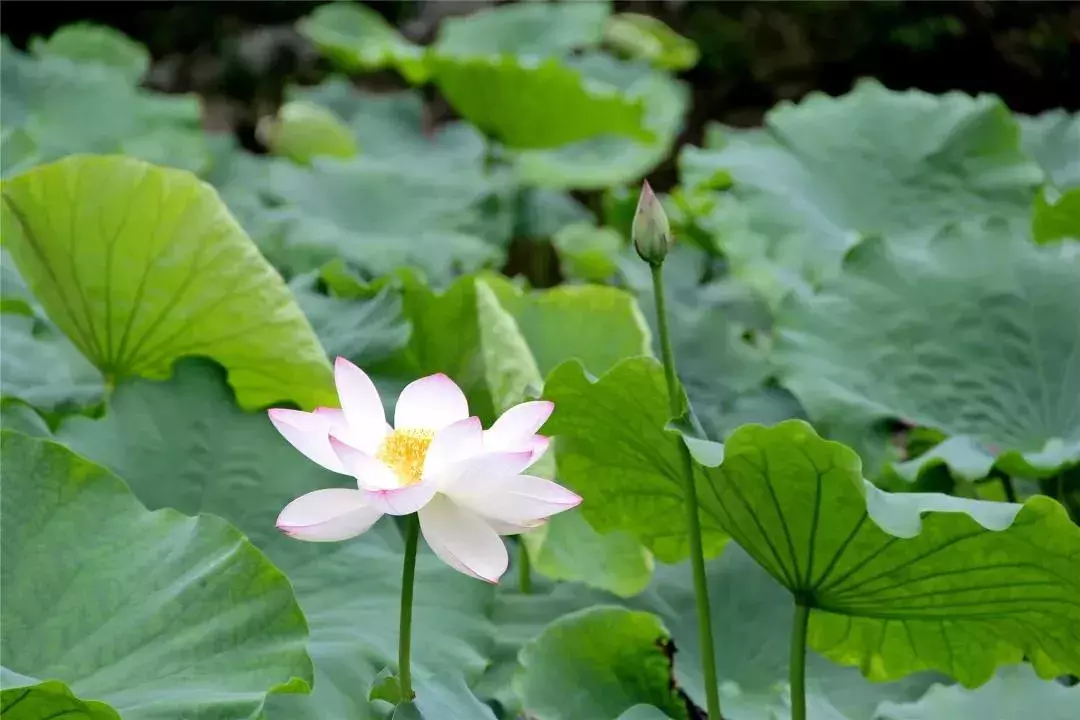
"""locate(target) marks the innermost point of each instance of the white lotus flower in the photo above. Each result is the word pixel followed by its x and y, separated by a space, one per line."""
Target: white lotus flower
pixel 465 483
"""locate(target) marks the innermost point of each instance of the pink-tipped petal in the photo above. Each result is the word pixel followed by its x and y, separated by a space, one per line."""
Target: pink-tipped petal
pixel 430 403
pixel 308 433
pixel 463 540
pixel 465 473
pixel 517 500
pixel 538 446
pixel 401 500
pixel 515 428
pixel 370 474
pixel 452 444
pixel 361 406
pixel 327 516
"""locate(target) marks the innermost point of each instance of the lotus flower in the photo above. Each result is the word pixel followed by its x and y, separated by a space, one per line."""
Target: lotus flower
pixel 466 483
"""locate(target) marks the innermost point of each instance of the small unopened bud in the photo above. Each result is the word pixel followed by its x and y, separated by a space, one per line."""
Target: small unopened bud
pixel 651 232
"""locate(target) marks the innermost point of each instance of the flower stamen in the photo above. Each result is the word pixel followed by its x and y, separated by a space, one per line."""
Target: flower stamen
pixel 404 451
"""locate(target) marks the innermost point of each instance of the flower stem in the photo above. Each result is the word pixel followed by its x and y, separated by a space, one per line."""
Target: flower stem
pixel 408 572
pixel 697 555
pixel 524 569
pixel 797 666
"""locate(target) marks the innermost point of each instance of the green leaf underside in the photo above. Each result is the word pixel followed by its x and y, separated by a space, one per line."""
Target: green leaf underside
pixel 184 444
pixel 525 103
pixel 752 621
pixel 974 335
pixel 903 582
pixel 114 625
pixel 510 371
pixel 597 663
pixel 612 449
pixel 598 326
pixel 141 265
pixel 1056 216
pixel 609 158
pixel 47 701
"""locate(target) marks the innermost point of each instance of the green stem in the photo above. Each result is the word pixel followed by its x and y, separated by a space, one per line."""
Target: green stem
pixel 524 569
pixel 1007 485
pixel 797 666
pixel 408 572
pixel 693 522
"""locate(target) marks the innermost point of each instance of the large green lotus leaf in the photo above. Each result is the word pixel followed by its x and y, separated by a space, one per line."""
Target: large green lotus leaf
pixel 973 335
pixel 1013 693
pixel 184 444
pixel 829 170
pixel 157 614
pixel 356 37
pixel 644 36
pixel 597 663
pixel 41 367
pixel 879 161
pixel 531 29
pixel 612 449
pixel 89 44
pixel 381 215
pixel 67 105
pixel 536 103
pixel 141 265
pixel 902 582
pixel 768 249
pixel 1053 139
pixel 612 159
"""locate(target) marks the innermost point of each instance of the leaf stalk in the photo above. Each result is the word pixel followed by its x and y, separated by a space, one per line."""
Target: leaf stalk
pixel 797 665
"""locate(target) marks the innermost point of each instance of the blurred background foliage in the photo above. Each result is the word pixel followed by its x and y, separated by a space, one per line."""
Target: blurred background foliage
pixel 240 56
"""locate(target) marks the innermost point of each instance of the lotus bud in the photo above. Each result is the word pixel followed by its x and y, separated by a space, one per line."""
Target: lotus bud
pixel 651 232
